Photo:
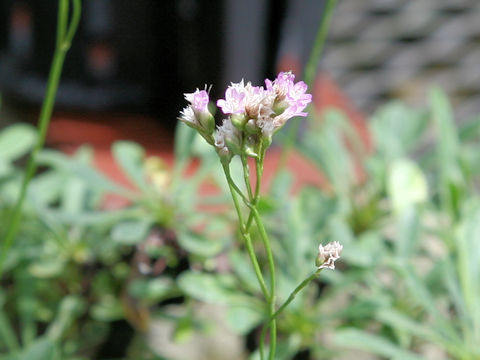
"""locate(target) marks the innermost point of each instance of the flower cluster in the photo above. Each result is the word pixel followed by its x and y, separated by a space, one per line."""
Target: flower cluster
pixel 197 115
pixel 254 114
pixel 328 254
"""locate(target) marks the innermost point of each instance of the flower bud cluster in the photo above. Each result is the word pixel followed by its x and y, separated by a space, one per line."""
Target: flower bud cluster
pixel 197 115
pixel 254 114
pixel 328 254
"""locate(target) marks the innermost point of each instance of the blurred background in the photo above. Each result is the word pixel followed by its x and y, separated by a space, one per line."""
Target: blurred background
pixel 131 62
pixel 139 57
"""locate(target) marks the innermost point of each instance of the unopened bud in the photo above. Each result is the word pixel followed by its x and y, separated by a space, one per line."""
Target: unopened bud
pixel 207 121
pixel 250 146
pixel 239 120
pixel 251 127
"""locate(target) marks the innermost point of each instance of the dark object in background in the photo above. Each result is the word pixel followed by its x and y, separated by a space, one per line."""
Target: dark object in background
pixel 119 338
pixel 127 55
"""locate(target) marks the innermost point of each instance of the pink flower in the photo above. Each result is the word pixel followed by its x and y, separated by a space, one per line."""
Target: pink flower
pixel 199 100
pixel 297 96
pixel 197 115
pixel 292 95
pixel 234 102
pixel 281 85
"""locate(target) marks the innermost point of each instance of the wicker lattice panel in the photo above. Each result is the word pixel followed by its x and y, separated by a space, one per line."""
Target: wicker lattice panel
pixel 383 49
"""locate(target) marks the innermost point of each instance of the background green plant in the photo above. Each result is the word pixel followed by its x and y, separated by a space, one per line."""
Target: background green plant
pixel 407 285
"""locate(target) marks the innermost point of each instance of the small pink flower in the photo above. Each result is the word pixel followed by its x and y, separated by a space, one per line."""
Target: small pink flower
pixel 297 95
pixel 199 100
pixel 281 85
pixel 234 102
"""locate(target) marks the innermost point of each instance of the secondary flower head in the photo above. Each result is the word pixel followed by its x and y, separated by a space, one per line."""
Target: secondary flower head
pixel 197 115
pixel 328 254
pixel 188 117
pixel 198 100
pixel 291 98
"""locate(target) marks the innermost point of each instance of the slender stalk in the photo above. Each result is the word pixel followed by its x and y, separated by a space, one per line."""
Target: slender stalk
pixel 309 76
pixel 72 28
pixel 266 242
pixel 246 236
pixel 246 176
pixel 258 181
pixel 321 37
pixel 271 266
pixel 61 50
pixel 287 302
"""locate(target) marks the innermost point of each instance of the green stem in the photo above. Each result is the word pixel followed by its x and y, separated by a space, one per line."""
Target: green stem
pixel 246 236
pixel 233 185
pixel 45 115
pixel 259 173
pixel 290 298
pixel 246 176
pixel 72 28
pixel 271 266
pixel 321 37
pixel 309 76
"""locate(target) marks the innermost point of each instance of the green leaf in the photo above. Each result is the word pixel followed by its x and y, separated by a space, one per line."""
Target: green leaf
pixel 75 190
pixel 70 308
pixel 216 233
pixel 45 188
pixel 400 321
pixel 151 290
pixel 366 251
pixel 91 176
pixel 397 129
pixel 452 182
pixel 184 329
pixel 241 318
pixel 244 270
pixel 407 185
pixel 408 233
pixel 42 349
pixel 7 333
pixel 210 288
pixel 421 295
pixel 93 217
pixel 129 156
pixel 47 267
pixel 27 305
pixel 357 339
pixel 467 237
pixel 131 232
pixel 184 136
pixel 326 147
pixel 107 309
pixel 446 131
pixel 15 141
pixel 198 243
pixel 470 129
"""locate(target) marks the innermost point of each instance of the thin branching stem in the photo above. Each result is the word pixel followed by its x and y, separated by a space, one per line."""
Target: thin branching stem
pixel 65 34
pixel 309 76
pixel 234 190
pixel 287 302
